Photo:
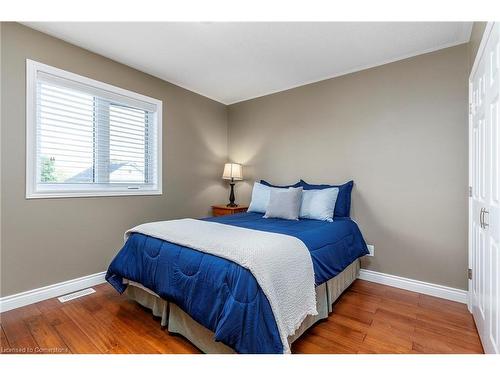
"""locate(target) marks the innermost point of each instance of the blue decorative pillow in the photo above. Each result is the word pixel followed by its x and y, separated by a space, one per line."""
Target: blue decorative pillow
pixel 318 204
pixel 295 185
pixel 260 198
pixel 343 204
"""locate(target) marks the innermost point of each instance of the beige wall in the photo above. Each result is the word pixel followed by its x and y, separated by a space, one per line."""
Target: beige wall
pixel 46 241
pixel 400 131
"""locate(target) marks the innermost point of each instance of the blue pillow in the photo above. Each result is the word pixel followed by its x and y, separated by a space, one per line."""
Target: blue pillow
pixel 260 198
pixel 343 204
pixel 295 185
pixel 318 204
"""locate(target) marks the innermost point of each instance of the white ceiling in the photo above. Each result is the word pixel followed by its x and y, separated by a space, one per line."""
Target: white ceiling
pixel 232 62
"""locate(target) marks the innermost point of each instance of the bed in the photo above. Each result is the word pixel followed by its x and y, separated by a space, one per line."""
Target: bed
pixel 217 303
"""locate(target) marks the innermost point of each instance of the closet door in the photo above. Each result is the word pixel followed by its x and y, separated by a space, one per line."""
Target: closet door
pixel 484 203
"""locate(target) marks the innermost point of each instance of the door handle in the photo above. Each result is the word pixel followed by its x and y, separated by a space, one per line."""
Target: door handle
pixel 485 224
pixel 481 217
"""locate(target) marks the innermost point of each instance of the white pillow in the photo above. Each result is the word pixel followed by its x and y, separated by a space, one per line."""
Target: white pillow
pixel 260 197
pixel 284 204
pixel 319 204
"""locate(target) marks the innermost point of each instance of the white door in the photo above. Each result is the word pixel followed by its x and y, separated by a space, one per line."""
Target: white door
pixel 484 202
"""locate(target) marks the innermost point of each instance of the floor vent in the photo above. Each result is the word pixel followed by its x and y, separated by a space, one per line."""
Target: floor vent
pixel 80 293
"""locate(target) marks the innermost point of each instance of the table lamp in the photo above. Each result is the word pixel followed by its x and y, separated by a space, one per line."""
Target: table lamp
pixel 232 172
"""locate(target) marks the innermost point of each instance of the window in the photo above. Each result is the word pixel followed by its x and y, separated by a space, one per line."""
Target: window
pixel 87 138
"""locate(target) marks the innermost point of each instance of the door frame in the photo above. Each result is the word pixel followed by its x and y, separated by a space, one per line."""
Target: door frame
pixel 480 51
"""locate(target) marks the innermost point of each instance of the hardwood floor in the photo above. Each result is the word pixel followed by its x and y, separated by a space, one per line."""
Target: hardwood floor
pixel 367 318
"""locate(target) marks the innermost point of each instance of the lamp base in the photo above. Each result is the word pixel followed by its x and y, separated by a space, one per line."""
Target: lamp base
pixel 231 197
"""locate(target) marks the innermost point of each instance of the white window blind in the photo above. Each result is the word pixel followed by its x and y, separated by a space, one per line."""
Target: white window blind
pixel 89 138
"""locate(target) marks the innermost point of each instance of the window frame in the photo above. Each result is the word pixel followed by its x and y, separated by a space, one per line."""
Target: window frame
pixel 83 190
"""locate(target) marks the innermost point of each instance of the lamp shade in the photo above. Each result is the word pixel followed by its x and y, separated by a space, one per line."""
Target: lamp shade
pixel 232 171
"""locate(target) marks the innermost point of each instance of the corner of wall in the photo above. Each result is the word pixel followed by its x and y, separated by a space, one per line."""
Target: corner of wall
pixel 228 156
pixel 475 40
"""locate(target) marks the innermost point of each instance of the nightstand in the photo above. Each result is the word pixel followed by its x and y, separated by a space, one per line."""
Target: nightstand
pixel 221 210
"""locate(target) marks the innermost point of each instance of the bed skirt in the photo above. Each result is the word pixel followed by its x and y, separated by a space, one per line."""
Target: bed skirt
pixel 178 322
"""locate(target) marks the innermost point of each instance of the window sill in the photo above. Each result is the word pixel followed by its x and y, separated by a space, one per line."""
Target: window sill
pixel 88 194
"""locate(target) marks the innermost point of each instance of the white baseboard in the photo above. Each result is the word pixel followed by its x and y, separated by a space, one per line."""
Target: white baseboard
pixel 36 295
pixel 436 290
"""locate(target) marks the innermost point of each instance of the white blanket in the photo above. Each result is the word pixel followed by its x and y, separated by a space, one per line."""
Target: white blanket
pixel 281 264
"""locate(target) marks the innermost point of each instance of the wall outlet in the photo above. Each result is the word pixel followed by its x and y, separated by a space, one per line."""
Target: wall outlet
pixel 371 249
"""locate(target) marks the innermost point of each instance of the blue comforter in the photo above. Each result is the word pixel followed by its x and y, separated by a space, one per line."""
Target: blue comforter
pixel 223 296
